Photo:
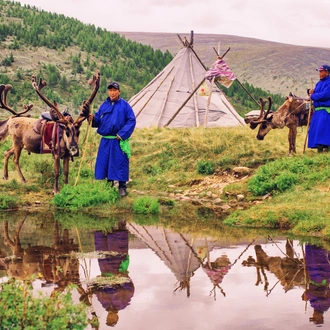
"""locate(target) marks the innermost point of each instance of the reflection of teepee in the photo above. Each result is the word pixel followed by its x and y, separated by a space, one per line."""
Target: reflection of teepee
pixel 181 253
pixel 179 96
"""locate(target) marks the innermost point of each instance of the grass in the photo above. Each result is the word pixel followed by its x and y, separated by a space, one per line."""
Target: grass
pixel 167 160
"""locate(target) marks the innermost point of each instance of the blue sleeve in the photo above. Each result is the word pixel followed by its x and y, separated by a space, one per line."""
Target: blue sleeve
pixel 97 117
pixel 322 93
pixel 130 121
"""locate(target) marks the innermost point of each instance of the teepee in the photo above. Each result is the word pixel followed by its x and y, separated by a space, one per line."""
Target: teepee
pixel 179 96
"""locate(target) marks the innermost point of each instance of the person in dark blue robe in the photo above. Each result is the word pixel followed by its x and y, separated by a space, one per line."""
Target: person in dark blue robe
pixel 115 122
pixel 318 133
pixel 318 290
pixel 113 297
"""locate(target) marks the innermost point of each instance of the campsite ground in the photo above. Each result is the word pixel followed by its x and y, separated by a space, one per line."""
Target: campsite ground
pixel 192 171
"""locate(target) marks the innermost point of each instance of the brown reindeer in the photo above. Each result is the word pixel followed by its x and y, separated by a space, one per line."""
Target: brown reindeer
pixel 292 113
pixel 24 134
pixel 289 269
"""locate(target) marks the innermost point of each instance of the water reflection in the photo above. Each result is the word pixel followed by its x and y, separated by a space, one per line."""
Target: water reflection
pixel 317 291
pixel 113 287
pixel 135 276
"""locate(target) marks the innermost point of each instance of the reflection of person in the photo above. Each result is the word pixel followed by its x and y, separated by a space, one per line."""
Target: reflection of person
pixel 115 121
pixel 318 291
pixel 114 288
pixel 318 134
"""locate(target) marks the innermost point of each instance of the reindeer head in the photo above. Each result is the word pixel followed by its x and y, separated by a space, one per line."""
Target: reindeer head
pixel 264 121
pixel 70 128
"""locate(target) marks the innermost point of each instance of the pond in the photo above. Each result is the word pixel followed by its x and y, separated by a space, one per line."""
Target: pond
pixel 137 276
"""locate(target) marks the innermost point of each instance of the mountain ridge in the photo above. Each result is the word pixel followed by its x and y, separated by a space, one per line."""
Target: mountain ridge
pixel 275 67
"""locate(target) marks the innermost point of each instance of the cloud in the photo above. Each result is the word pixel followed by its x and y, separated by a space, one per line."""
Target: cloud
pixel 287 21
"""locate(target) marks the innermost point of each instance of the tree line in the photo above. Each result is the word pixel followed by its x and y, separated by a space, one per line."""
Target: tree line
pixel 131 63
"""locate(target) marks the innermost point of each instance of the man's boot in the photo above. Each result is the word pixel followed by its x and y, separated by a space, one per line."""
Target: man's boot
pixel 320 148
pixel 122 188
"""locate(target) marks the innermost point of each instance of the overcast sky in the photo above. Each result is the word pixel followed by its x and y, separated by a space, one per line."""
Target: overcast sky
pixel 298 22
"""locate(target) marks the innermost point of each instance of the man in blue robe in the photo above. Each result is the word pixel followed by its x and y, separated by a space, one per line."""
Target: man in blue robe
pixel 115 122
pixel 318 134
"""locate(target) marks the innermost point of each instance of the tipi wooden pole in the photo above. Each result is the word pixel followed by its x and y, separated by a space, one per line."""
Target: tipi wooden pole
pixel 185 102
pixel 208 104
pixel 236 78
pixel 153 93
pixel 193 86
pixel 164 103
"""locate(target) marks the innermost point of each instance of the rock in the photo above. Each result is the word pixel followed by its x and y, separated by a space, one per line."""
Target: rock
pixel 241 170
pixel 240 197
pixel 225 207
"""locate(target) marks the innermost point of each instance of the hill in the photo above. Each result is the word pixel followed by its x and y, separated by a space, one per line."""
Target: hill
pixel 66 52
pixel 275 67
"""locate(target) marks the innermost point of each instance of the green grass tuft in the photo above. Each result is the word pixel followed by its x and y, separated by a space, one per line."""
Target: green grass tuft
pixel 146 205
pixel 85 195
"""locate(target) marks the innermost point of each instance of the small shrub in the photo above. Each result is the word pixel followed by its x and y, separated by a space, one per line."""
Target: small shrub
pixel 8 202
pixel 285 181
pixel 46 169
pixel 85 195
pixel 261 184
pixel 152 170
pixel 205 167
pixel 20 310
pixel 167 202
pixel 146 205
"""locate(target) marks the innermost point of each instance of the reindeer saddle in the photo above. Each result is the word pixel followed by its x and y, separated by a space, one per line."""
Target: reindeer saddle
pixel 49 131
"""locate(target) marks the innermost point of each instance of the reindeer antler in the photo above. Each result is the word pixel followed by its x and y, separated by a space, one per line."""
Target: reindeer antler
pixel 269 106
pixel 54 111
pixel 4 89
pixel 261 117
pixel 85 107
pixel 95 81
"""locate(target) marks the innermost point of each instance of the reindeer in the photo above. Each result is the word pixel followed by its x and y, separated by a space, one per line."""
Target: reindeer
pixel 293 113
pixel 23 132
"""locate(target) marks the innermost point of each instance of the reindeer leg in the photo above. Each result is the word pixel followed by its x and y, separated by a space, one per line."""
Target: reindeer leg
pixel 17 155
pixel 56 173
pixel 16 151
pixel 66 169
pixel 7 155
pixel 290 140
pixel 294 138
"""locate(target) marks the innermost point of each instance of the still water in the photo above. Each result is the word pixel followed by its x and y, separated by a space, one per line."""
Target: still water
pixel 137 276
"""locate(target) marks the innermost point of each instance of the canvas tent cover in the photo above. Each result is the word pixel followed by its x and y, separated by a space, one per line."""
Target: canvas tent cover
pixel 163 102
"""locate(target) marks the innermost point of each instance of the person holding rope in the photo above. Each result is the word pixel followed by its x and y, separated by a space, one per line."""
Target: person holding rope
pixel 318 134
pixel 115 122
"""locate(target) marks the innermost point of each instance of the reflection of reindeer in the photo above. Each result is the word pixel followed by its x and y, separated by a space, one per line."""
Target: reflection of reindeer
pixel 55 264
pixel 289 270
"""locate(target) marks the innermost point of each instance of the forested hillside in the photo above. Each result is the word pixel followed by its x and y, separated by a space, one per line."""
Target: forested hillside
pixel 66 52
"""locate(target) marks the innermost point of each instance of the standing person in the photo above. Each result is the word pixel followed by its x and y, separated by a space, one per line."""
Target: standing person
pixel 318 288
pixel 114 288
pixel 115 122
pixel 318 134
